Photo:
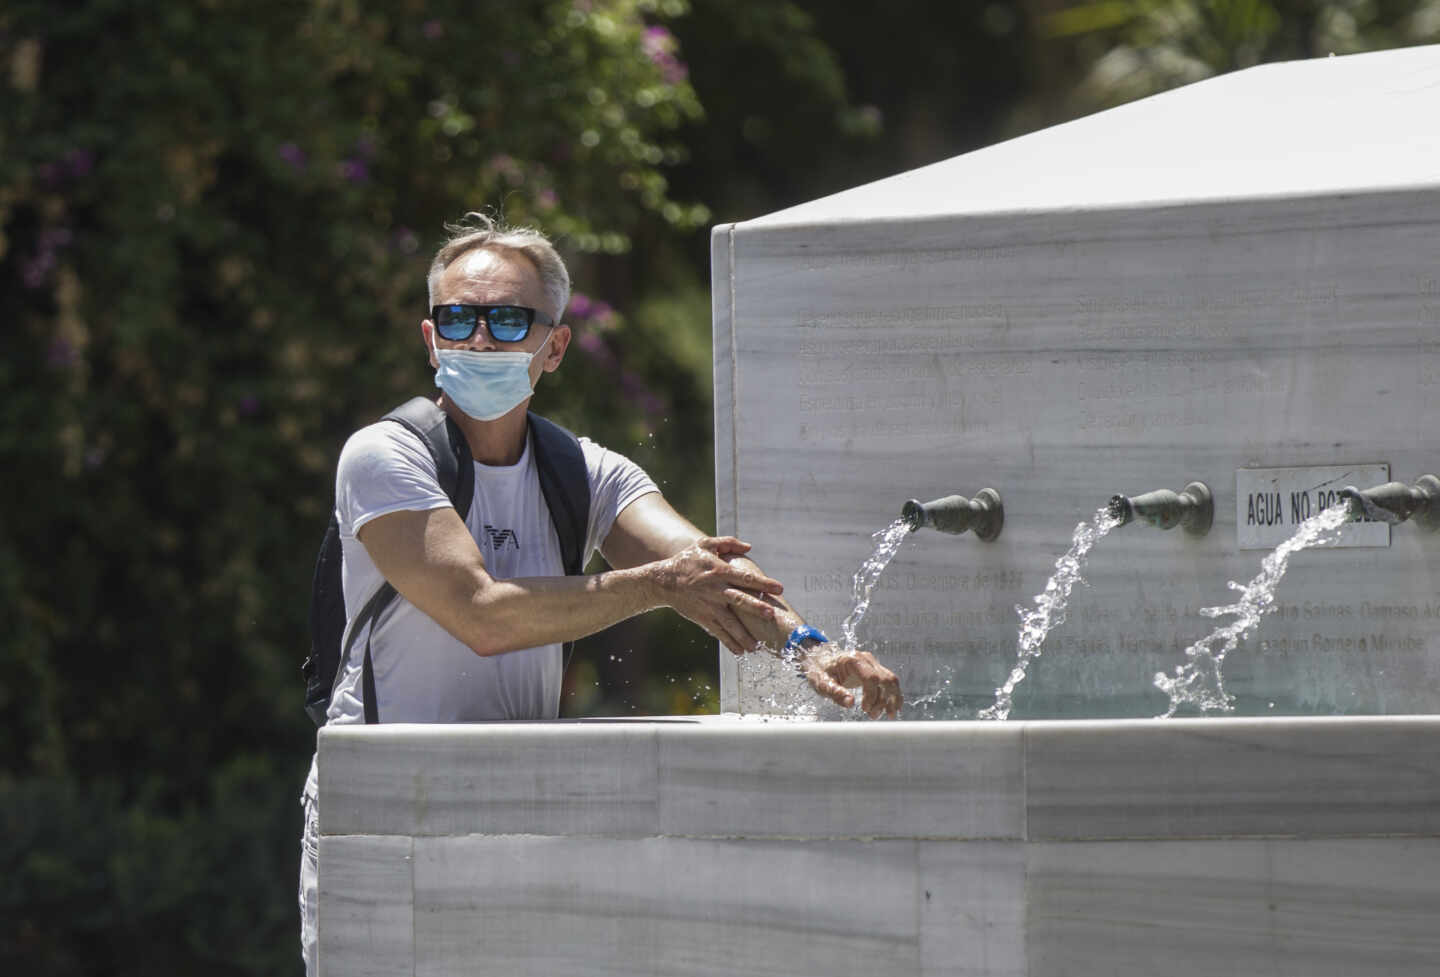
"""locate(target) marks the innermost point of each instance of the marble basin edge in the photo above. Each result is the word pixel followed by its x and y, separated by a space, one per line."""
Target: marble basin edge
pixel 766 778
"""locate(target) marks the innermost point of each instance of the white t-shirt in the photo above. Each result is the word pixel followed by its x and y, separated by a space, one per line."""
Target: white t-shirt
pixel 423 674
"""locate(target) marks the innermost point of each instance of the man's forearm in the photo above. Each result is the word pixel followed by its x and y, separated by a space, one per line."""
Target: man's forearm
pixel 431 559
pixel 505 615
pixel 526 612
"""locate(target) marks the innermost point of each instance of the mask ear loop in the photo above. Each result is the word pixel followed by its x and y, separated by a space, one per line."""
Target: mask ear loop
pixel 543 345
pixel 434 351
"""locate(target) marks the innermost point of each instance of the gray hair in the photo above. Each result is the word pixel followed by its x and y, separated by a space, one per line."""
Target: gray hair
pixel 477 230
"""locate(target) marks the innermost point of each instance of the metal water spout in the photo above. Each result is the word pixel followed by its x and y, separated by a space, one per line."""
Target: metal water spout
pixel 1192 508
pixel 1397 502
pixel 985 514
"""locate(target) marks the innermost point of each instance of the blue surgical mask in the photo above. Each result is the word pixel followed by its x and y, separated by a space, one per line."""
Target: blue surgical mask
pixel 485 385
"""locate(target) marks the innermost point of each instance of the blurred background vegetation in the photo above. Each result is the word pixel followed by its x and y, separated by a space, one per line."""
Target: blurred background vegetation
pixel 215 218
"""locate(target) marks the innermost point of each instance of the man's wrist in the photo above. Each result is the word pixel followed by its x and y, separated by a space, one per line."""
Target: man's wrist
pixel 804 637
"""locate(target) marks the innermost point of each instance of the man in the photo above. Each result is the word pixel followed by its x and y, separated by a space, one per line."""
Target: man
pixel 484 603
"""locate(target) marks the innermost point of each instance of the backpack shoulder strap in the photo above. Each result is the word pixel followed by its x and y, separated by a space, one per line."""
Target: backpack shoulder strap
pixel 565 483
pixel 447 446
pixel 451 452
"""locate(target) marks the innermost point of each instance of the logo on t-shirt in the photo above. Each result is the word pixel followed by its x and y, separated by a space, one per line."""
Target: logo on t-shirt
pixel 499 537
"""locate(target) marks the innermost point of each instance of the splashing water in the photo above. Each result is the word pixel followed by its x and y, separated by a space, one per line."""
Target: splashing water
pixel 771 677
pixel 1049 610
pixel 887 545
pixel 1199 681
pixel 938 703
pixel 768 670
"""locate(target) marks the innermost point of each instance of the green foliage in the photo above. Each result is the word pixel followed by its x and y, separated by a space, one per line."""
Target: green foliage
pixel 215 220
pixel 769 128
pixel 1141 47
pixel 804 99
pixel 98 884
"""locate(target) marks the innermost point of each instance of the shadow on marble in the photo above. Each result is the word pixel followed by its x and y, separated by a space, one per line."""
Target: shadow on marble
pixel 1306 778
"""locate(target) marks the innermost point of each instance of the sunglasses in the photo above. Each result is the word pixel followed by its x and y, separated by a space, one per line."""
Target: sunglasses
pixel 505 323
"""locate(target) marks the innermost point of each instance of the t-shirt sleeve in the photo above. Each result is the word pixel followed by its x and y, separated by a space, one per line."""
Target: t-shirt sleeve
pixel 615 482
pixel 384 468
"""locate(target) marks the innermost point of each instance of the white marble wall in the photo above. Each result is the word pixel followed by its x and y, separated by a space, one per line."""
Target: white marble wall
pixel 748 846
pixel 1061 359
pixel 1070 335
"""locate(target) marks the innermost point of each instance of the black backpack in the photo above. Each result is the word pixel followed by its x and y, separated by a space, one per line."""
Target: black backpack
pixel 564 481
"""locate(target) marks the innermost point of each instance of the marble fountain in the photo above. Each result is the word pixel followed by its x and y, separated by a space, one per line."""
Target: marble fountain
pixel 1236 283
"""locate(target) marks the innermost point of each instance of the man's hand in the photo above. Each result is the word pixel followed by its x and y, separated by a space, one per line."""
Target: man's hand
pixel 711 581
pixel 700 583
pixel 833 674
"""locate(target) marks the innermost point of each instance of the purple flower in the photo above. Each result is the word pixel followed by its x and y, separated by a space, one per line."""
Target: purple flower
pixel 37 270
pixel 660 47
pixel 595 348
pixel 61 353
pixel 547 199
pixel 94 458
pixel 249 405
pixel 433 30
pixel 597 312
pixel 505 165
pixel 292 154
pixel 580 305
pixel 79 162
pixel 354 170
pixel 405 240
pixel 53 238
pixel 635 390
